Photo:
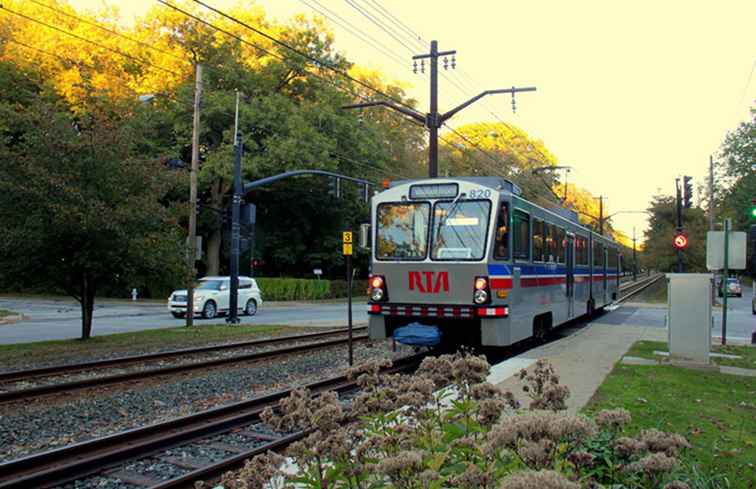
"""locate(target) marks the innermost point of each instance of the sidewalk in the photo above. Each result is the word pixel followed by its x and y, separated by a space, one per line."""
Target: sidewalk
pixel 582 359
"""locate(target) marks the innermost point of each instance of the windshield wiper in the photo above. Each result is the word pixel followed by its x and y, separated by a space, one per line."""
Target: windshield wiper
pixel 451 210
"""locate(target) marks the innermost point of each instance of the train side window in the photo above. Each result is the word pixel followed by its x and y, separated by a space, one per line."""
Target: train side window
pixel 613 258
pixel 561 244
pixel 501 250
pixel 538 239
pixel 581 250
pixel 598 255
pixel 551 242
pixel 521 241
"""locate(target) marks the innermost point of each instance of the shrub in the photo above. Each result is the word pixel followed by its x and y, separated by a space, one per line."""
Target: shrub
pixel 446 427
pixel 293 289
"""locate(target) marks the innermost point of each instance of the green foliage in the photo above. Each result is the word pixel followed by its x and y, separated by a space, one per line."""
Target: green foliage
pixel 445 427
pixel 79 207
pixel 659 253
pixel 300 289
pixel 290 289
pixel 713 410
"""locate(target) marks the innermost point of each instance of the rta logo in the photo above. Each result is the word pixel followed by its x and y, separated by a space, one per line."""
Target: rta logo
pixel 425 284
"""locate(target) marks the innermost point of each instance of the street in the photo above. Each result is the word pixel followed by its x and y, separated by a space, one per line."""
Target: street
pixel 51 319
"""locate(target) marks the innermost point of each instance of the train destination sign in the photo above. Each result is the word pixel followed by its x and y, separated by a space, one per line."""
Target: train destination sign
pixel 434 191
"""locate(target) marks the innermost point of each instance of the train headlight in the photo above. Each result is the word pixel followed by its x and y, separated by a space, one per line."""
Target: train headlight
pixel 376 294
pixel 480 296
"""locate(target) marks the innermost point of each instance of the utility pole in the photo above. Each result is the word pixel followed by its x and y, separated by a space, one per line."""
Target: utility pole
pixel 711 193
pixel 433 120
pixel 635 259
pixel 679 223
pixel 233 306
pixel 193 197
pixel 601 214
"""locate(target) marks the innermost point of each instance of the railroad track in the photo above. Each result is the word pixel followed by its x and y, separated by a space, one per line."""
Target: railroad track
pixel 629 289
pixel 101 380
pixel 201 446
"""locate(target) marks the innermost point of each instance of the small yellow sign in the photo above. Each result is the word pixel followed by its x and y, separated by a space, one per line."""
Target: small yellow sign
pixel 347 251
pixel 347 238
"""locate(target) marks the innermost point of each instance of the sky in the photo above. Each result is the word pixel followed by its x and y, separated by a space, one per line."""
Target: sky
pixel 629 94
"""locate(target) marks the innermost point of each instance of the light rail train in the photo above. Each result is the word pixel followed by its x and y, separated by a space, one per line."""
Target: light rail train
pixel 473 260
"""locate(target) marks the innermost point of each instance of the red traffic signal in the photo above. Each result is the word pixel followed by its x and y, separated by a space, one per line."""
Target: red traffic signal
pixel 680 241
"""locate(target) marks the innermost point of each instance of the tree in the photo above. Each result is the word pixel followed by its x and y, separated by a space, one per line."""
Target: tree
pixel 737 174
pixel 659 252
pixel 80 209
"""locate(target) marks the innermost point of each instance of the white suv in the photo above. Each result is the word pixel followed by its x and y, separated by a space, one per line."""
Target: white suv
pixel 212 295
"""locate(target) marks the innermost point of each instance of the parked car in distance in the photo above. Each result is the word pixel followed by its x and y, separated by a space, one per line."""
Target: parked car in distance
pixel 212 296
pixel 732 286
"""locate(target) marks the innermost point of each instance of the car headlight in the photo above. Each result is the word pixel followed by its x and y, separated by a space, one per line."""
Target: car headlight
pixel 199 298
pixel 480 296
pixel 376 294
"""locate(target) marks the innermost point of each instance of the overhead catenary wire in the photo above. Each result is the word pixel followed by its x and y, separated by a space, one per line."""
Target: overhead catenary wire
pixel 381 25
pixel 412 34
pixel 345 24
pixel 107 29
pixel 89 41
pixel 318 62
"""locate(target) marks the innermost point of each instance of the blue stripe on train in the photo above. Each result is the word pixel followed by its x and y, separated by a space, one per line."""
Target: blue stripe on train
pixel 549 269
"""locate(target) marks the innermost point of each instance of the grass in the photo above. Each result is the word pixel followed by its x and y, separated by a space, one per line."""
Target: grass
pixel 715 412
pixel 5 313
pixel 56 351
pixel 645 349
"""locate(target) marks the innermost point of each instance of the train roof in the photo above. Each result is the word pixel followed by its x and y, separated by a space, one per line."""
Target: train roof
pixel 495 183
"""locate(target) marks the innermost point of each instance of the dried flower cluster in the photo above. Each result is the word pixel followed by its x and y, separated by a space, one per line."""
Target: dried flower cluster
pixel 446 427
pixel 543 387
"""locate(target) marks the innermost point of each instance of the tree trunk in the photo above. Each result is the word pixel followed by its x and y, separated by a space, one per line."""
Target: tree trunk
pixel 213 251
pixel 218 190
pixel 87 306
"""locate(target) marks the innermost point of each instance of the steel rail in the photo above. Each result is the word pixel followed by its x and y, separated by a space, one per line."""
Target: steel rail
pixel 83 459
pixel 17 375
pixel 639 287
pixel 19 394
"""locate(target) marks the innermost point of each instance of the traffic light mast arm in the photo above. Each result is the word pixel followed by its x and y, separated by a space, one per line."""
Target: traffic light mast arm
pixel 265 181
pixel 446 116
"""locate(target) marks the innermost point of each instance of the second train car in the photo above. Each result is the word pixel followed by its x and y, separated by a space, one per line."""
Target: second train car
pixel 472 258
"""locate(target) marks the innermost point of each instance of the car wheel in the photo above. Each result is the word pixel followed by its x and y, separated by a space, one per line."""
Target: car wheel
pixel 177 315
pixel 251 308
pixel 210 310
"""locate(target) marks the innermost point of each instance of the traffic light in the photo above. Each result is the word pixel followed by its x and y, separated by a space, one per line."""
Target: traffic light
pixel 752 211
pixel 687 192
pixel 334 187
pixel 680 241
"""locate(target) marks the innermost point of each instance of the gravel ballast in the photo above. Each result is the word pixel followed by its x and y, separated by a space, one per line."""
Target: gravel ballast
pixel 38 427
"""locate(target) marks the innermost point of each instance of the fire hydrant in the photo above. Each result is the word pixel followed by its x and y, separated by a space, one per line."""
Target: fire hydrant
pixel 134 294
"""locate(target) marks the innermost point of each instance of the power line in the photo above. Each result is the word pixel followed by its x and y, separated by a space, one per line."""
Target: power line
pixel 412 34
pixel 84 39
pixel 107 29
pixel 313 59
pixel 380 24
pixel 345 24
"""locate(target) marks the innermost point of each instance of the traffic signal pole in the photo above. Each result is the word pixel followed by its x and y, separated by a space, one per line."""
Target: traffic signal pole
pixel 679 223
pixel 192 252
pixel 433 120
pixel 233 303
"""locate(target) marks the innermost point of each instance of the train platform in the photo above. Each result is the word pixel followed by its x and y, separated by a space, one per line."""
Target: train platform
pixel 582 358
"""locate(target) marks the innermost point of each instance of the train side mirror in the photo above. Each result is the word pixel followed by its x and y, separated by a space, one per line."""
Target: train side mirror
pixel 365 236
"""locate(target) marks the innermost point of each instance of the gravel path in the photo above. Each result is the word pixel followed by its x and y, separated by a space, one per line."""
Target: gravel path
pixel 39 427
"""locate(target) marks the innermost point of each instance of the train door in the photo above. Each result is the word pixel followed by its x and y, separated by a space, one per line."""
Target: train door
pixel 605 250
pixel 570 275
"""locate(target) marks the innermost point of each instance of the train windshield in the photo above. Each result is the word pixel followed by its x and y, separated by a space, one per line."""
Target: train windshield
pixel 402 232
pixel 460 229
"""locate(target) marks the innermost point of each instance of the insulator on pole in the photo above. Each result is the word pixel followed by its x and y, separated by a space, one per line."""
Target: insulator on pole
pixel 414 67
